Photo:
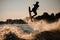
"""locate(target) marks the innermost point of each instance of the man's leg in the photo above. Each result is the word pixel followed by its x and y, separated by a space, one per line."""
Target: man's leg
pixel 35 13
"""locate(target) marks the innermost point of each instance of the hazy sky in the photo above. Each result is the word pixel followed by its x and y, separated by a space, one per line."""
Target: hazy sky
pixel 15 9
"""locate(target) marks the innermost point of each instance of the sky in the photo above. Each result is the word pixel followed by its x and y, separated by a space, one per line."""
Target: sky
pixel 18 9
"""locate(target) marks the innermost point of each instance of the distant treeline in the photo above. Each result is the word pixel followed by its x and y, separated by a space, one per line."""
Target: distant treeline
pixel 49 18
pixel 10 21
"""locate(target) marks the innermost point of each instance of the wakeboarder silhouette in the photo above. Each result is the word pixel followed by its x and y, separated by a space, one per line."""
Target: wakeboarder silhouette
pixel 34 10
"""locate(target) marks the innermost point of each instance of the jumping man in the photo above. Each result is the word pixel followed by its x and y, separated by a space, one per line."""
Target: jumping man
pixel 34 9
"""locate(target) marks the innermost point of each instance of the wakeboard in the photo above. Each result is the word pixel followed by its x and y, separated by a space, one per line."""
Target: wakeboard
pixel 30 14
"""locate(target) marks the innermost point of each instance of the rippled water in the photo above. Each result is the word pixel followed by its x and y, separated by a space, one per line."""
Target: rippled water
pixel 28 31
pixel 21 30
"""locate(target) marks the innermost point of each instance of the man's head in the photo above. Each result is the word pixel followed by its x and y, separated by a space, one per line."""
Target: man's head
pixel 37 2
